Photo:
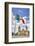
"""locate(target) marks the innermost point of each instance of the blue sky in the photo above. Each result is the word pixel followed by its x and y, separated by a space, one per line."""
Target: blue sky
pixel 21 11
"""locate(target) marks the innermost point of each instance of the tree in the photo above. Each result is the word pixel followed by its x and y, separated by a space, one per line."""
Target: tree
pixel 17 17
